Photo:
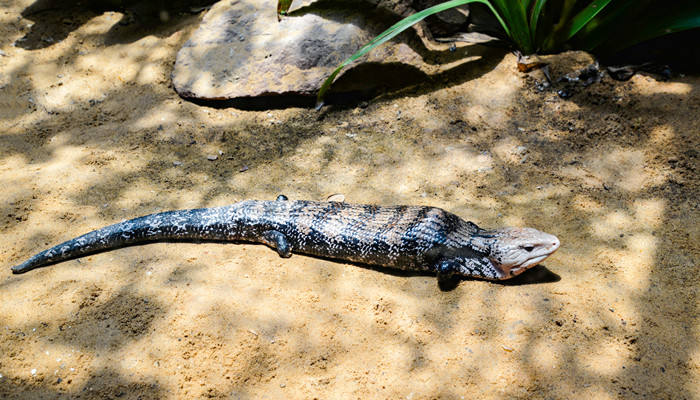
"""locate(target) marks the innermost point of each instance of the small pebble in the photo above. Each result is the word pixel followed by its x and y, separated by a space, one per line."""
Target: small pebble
pixel 33 371
pixel 177 163
pixel 212 157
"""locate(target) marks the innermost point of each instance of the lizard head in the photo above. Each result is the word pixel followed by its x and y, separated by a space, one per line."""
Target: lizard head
pixel 514 250
pixel 504 253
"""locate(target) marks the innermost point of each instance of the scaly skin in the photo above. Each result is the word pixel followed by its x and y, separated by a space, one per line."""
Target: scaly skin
pixel 402 237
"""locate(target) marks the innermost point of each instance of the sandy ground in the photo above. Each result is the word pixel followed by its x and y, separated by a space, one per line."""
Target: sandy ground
pixel 91 133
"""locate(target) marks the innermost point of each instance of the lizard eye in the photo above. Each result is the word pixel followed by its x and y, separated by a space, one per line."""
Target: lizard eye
pixel 528 248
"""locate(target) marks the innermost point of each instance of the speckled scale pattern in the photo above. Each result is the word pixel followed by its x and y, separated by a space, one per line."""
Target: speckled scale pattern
pixel 401 237
pixel 404 237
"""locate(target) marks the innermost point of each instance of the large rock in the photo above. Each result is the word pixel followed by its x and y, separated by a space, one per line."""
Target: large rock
pixel 242 51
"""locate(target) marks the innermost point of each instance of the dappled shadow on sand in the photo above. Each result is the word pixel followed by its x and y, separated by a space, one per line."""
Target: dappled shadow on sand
pixel 611 172
pixel 53 20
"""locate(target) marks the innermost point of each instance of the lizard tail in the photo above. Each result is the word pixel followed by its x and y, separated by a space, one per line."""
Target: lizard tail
pixel 212 224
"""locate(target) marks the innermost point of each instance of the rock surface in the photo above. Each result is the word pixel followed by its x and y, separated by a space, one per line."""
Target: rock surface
pixel 240 50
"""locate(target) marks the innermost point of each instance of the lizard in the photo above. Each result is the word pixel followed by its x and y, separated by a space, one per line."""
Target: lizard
pixel 409 238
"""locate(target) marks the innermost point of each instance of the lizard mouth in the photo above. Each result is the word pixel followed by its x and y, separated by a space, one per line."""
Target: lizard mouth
pixel 531 262
pixel 505 272
pixel 515 271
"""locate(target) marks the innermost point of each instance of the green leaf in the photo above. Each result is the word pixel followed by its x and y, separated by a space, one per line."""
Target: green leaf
pixel 527 4
pixel 586 15
pixel 566 28
pixel 283 7
pixel 392 32
pixel 608 23
pixel 534 18
pixel 658 23
pixel 518 29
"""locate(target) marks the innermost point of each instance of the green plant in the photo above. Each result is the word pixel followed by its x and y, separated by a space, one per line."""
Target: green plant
pixel 539 26
pixel 393 31
pixel 626 23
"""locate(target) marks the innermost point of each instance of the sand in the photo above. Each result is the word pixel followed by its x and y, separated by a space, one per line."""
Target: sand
pixel 91 133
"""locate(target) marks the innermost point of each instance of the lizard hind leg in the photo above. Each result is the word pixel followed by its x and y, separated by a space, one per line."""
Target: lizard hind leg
pixel 278 241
